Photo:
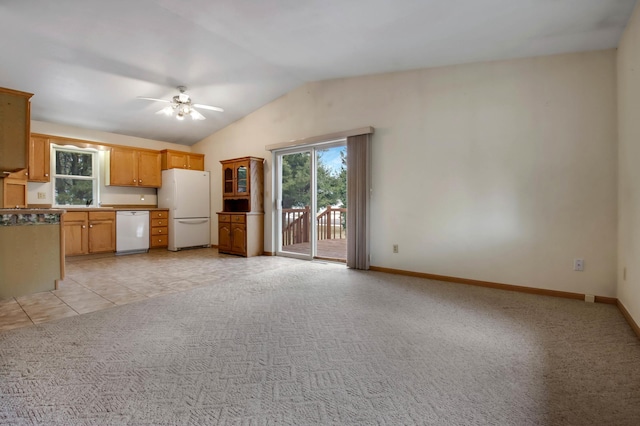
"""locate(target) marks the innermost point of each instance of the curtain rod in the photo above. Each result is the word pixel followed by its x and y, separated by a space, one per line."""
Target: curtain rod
pixel 322 138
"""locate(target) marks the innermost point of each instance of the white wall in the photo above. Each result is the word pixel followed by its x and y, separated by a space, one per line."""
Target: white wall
pixel 629 167
pixel 501 171
pixel 109 194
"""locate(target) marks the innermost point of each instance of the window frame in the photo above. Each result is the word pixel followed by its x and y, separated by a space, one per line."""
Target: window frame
pixel 95 175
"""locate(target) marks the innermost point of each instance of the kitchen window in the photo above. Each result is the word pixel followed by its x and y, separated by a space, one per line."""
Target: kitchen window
pixel 75 176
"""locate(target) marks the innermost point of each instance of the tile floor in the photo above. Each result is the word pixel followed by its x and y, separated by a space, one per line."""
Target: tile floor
pixel 94 283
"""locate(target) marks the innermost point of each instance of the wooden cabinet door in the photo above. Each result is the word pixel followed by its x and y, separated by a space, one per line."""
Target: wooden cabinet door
pixel 224 237
pixel 13 190
pixel 241 178
pixel 101 237
pixel 76 235
pixel 75 239
pixel 102 232
pixel 196 161
pixel 238 238
pixel 14 129
pixel 149 169
pixel 39 159
pixel 177 160
pixel 123 167
pixel 228 187
pixel 15 193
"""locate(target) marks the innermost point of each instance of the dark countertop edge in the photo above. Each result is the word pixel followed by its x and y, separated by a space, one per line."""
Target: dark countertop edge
pixel 113 209
pixel 32 211
pixel 78 209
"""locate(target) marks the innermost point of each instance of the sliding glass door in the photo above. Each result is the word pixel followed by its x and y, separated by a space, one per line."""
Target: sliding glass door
pixel 295 196
pixel 311 187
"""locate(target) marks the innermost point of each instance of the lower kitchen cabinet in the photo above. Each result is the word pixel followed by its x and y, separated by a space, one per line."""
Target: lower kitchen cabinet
pixel 89 232
pixel 102 232
pixel 241 233
pixel 159 229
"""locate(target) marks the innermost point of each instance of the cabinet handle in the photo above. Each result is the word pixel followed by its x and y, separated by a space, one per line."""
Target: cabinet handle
pixel 140 180
pixel 159 231
pixel 90 226
pixel 134 181
pixel 84 226
pixel 46 174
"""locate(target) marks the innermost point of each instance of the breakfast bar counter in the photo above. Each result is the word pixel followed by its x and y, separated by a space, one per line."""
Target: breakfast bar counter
pixel 31 252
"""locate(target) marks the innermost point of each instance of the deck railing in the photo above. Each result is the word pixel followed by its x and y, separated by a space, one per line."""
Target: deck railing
pixel 331 224
pixel 295 226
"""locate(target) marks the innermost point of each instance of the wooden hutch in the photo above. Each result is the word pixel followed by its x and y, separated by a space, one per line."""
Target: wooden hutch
pixel 241 221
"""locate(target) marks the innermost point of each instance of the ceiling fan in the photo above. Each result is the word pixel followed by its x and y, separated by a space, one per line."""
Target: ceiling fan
pixel 181 106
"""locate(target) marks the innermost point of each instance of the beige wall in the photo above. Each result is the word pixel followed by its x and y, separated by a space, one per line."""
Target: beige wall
pixel 629 167
pixel 109 194
pixel 501 171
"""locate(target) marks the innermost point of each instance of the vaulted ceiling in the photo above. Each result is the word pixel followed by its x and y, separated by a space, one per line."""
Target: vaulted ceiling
pixel 86 61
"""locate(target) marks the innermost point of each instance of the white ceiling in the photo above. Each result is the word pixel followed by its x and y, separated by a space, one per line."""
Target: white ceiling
pixel 86 61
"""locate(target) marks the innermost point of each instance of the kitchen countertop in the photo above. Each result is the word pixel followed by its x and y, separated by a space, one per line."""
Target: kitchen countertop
pixel 51 216
pixel 56 210
pixel 111 209
pixel 32 211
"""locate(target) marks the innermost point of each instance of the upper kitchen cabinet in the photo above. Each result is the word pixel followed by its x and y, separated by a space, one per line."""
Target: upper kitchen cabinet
pixel 242 184
pixel 15 120
pixel 13 190
pixel 39 159
pixel 134 167
pixel 181 160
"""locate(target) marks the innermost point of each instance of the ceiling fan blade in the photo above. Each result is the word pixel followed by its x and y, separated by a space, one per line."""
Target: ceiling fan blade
pixel 152 99
pixel 168 110
pixel 195 115
pixel 209 107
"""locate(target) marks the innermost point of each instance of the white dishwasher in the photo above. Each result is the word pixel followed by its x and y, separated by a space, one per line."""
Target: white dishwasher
pixel 132 231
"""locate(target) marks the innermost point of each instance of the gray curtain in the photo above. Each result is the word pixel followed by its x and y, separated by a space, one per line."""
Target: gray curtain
pixel 358 184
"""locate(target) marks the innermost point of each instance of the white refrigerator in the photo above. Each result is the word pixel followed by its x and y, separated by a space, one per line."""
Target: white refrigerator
pixel 187 196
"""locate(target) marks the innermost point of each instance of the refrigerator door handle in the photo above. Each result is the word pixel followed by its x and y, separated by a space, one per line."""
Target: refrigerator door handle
pixel 175 193
pixel 193 222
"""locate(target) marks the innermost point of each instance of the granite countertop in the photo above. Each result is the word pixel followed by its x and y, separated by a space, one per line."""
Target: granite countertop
pixel 24 217
pixel 57 210
pixel 51 216
pixel 112 209
pixel 32 211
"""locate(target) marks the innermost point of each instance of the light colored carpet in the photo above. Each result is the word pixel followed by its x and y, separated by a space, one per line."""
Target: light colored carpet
pixel 273 341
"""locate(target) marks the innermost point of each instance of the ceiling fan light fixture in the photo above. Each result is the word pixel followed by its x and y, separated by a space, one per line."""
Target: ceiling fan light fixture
pixel 181 105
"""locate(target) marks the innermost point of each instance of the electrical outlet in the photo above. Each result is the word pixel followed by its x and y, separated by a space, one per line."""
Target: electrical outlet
pixel 395 248
pixel 589 298
pixel 42 195
pixel 578 265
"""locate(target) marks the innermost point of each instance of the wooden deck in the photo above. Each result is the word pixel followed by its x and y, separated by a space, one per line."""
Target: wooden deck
pixel 335 249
